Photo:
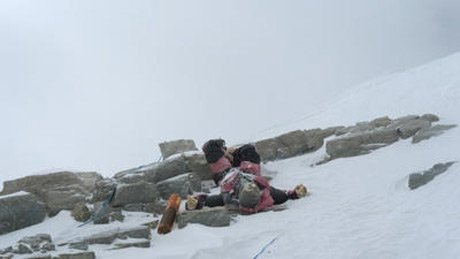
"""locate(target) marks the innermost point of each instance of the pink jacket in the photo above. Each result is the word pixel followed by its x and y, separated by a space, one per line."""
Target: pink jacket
pixel 230 184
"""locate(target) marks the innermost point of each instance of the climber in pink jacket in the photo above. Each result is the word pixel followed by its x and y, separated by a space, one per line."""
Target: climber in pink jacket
pixel 237 172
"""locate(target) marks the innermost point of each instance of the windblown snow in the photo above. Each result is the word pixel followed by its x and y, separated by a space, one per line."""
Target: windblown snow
pixel 358 207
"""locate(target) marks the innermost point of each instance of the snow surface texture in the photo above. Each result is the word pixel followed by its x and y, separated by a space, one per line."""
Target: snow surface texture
pixel 358 207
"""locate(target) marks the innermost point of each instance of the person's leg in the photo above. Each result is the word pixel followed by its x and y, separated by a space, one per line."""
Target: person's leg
pixel 214 200
pixel 278 196
pixel 197 202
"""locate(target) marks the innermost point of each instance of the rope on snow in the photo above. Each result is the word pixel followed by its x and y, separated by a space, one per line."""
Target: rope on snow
pixel 263 248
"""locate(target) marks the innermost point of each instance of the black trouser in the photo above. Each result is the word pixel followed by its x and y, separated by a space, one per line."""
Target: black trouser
pixel 278 196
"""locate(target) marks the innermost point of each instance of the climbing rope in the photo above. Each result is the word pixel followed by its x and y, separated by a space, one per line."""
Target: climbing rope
pixel 102 209
pixel 263 248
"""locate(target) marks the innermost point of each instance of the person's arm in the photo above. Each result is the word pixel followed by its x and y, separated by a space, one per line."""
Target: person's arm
pixel 214 151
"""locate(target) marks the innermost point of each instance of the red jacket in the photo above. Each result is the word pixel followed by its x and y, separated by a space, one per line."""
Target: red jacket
pixel 235 179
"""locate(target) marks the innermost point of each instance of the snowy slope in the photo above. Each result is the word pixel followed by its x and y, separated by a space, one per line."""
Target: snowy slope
pixel 358 208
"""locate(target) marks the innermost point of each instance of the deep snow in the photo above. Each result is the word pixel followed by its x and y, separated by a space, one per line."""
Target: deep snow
pixel 358 207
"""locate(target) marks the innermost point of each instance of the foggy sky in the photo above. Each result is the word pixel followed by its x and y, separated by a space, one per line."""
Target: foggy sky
pixel 96 85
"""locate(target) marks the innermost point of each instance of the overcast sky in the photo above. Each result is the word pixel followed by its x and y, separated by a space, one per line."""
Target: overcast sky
pixel 96 85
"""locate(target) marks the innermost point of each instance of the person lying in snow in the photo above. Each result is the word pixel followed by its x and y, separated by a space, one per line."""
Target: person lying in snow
pixel 237 172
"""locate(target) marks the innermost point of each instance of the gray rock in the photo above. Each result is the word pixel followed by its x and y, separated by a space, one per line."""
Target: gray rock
pixel 361 144
pixel 20 211
pixel 59 191
pixel 7 250
pixel 410 128
pixel 47 246
pixel 102 212
pixel 23 249
pixel 176 147
pixel 41 257
pixel 83 255
pixel 142 192
pixel 171 167
pixel 80 212
pixel 419 179
pixel 35 241
pixel 363 127
pixel 293 143
pixel 81 245
pixel 427 133
pixel 196 162
pixel 212 217
pixel 102 190
pixel 380 122
pixel 430 117
pixel 154 207
pixel 108 237
pixel 140 244
pixel 139 232
pixel 182 184
pixel 117 215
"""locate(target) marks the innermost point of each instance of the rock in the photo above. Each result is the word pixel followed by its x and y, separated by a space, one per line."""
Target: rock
pixel 183 185
pixel 46 247
pixel 7 250
pixel 212 217
pixel 361 144
pixel 430 117
pixel 23 249
pixel 117 215
pixel 140 244
pixel 139 232
pixel 82 245
pixel 108 237
pixel 419 179
pixel 59 191
pixel 35 241
pixel 363 127
pixel 102 190
pixel 154 207
pixel 83 255
pixel 144 173
pixel 19 211
pixel 408 129
pixel 380 122
pixel 176 147
pixel 41 257
pixel 293 143
pixel 196 162
pixel 103 213
pixel 427 133
pixel 142 192
pixel 80 212
pixel 171 167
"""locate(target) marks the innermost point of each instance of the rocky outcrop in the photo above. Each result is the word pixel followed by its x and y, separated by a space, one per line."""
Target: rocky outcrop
pixel 365 137
pixel 108 237
pixel 176 147
pixel 361 144
pixel 211 217
pixel 19 211
pixel 434 131
pixel 142 192
pixel 183 185
pixel 421 178
pixel 40 243
pixel 62 190
pixel 293 143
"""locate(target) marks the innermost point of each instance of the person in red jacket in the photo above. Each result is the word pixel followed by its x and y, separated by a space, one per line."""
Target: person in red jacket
pixel 237 172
